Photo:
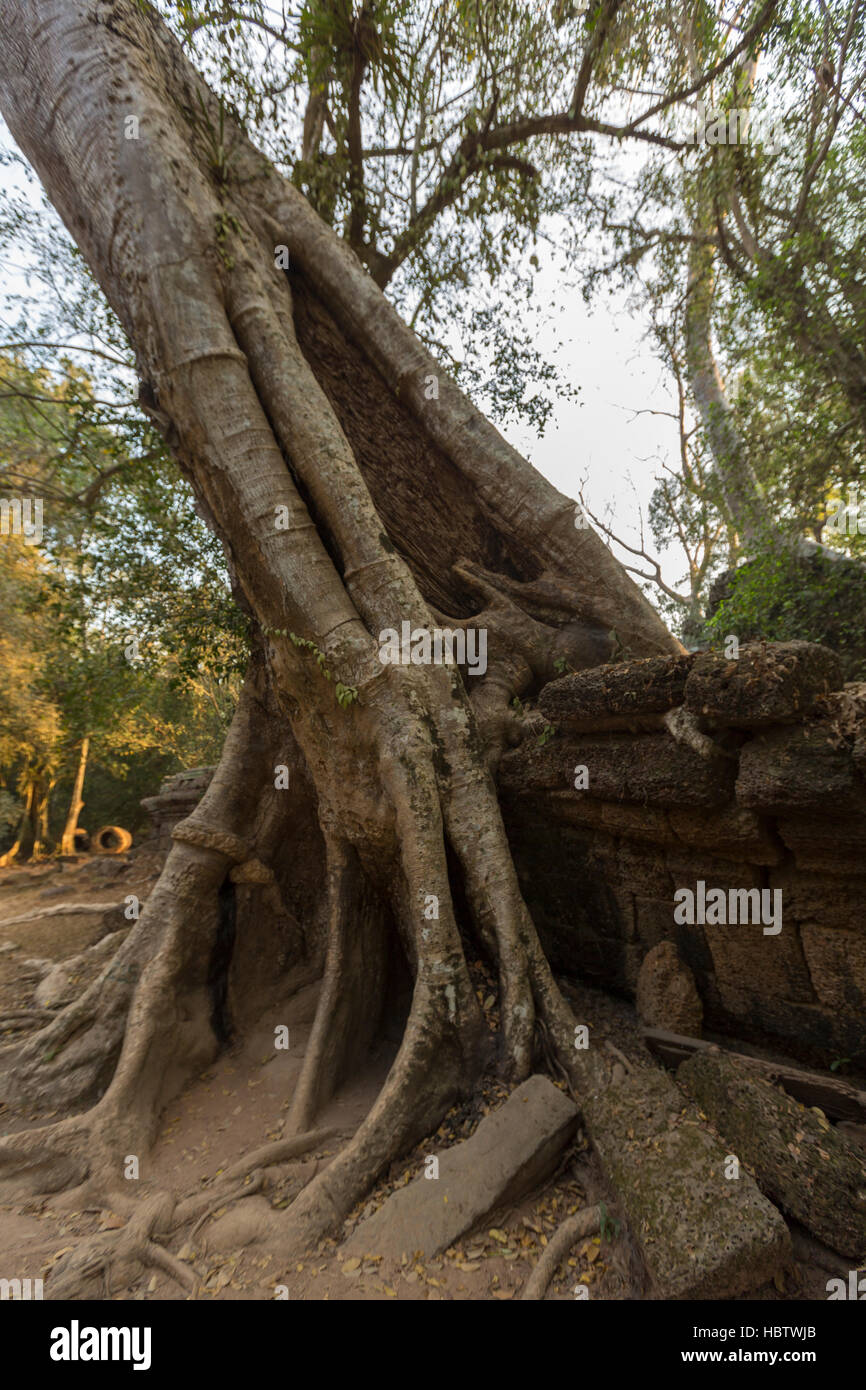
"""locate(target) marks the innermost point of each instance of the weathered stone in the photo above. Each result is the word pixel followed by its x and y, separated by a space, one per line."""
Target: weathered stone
pixel 752 968
pixel 644 870
pixel 511 1152
pixel 768 684
pixel 700 1235
pixel 730 831
pixel 837 966
pixel 799 1160
pixel 644 824
pixel 828 844
pixel 817 897
pixel 600 890
pixel 607 696
pixel 666 993
pixel 653 920
pixel 801 768
pixel 178 796
pixel 650 769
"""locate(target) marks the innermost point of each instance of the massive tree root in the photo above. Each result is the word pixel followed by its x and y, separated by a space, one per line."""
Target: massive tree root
pixel 392 763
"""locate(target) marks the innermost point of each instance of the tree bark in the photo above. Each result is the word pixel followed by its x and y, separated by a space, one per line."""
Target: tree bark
pixel 67 840
pixel 42 789
pixel 739 484
pixel 354 488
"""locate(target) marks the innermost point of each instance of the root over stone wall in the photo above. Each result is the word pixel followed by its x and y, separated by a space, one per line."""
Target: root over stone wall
pixel 741 774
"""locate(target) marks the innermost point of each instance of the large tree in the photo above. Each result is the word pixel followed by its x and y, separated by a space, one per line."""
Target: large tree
pixel 354 488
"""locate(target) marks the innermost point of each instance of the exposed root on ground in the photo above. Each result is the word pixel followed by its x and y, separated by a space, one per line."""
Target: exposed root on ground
pixel 119 1250
pixel 583 1223
pixel 159 1214
pixel 280 1151
pixel 63 910
pixel 22 1017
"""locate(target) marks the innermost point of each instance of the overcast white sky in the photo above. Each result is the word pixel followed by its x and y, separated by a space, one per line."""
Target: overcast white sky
pixel 601 436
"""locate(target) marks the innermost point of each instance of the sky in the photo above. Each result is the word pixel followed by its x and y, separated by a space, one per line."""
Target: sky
pixel 605 437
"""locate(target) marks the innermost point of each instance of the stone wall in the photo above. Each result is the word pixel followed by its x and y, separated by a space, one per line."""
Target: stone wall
pixel 747 773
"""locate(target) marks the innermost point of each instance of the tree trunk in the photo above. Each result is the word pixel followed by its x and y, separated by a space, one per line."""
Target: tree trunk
pixel 354 489
pixel 67 840
pixel 740 489
pixel 42 789
pixel 739 485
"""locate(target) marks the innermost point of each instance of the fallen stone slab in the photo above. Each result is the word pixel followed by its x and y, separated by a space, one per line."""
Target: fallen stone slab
pixel 821 1090
pixel 511 1152
pixel 769 683
pixel 798 1158
pixel 700 1233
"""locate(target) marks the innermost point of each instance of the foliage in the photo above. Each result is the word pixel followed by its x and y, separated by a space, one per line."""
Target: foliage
pixel 120 626
pixel 780 224
pixel 784 596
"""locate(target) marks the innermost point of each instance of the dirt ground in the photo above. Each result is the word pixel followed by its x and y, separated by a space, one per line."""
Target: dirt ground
pixel 241 1103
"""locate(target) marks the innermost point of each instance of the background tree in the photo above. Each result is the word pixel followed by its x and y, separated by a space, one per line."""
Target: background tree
pixel 29 720
pixel 125 631
pixel 751 256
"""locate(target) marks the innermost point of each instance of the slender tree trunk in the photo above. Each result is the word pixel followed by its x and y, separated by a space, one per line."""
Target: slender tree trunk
pixel 741 491
pixel 738 482
pixel 40 808
pixel 354 489
pixel 67 840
